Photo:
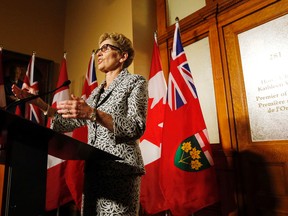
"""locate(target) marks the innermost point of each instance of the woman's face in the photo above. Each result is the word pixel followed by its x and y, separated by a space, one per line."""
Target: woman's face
pixel 108 56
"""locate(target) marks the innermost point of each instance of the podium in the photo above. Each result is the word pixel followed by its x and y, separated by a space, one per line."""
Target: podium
pixel 24 147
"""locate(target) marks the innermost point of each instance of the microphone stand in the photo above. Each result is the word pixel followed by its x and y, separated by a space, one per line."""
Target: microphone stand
pixel 24 100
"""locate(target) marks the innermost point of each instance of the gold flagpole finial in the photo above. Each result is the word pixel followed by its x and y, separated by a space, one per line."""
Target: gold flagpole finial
pixel 177 19
pixel 65 54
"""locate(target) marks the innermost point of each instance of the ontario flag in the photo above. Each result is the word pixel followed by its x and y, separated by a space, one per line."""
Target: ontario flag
pixel 188 176
pixel 151 197
pixel 57 192
pixel 75 168
pixel 2 90
pixel 32 112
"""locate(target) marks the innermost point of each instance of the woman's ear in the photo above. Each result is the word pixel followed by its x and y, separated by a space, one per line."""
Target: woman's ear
pixel 124 57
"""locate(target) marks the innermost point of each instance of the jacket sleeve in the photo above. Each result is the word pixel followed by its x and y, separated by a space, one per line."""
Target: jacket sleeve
pixel 63 125
pixel 130 125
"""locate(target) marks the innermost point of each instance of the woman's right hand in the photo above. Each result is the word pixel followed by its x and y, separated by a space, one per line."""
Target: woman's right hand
pixel 28 91
pixel 25 92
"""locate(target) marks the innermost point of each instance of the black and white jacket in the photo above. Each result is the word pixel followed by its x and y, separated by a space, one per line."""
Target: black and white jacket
pixel 126 101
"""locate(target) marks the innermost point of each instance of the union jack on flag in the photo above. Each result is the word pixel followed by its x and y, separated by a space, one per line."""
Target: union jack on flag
pixel 91 80
pixel 32 112
pixel 179 72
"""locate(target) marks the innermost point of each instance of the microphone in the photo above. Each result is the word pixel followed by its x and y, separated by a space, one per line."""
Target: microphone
pixel 24 100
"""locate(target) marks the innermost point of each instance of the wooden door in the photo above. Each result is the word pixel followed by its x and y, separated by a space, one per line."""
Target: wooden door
pixel 256 49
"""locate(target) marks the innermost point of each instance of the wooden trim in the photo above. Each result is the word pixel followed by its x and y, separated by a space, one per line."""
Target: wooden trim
pixel 241 10
pixel 220 88
pixel 161 17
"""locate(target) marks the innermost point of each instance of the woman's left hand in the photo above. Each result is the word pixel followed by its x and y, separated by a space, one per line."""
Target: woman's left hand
pixel 76 107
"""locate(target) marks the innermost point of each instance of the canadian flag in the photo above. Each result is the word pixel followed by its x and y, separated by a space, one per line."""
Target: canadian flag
pixel 57 192
pixel 151 197
pixel 74 168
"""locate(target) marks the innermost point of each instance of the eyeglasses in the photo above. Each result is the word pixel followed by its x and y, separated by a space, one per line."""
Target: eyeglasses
pixel 104 48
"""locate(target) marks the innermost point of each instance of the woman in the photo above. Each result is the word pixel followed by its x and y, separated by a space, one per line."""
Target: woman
pixel 115 114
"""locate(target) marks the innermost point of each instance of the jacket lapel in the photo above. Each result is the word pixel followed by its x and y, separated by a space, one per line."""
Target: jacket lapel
pixel 108 92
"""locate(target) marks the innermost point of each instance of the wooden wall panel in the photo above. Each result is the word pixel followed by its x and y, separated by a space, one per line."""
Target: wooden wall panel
pixel 211 20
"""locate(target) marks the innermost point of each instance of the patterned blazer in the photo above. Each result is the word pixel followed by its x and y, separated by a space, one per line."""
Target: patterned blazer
pixel 126 101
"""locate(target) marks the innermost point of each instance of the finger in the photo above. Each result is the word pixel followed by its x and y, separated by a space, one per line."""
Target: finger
pixel 15 89
pixel 63 108
pixel 73 97
pixel 68 113
pixel 63 104
pixel 61 111
pixel 64 112
pixel 60 105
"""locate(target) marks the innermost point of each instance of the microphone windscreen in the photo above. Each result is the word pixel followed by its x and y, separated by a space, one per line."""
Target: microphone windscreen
pixel 66 83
